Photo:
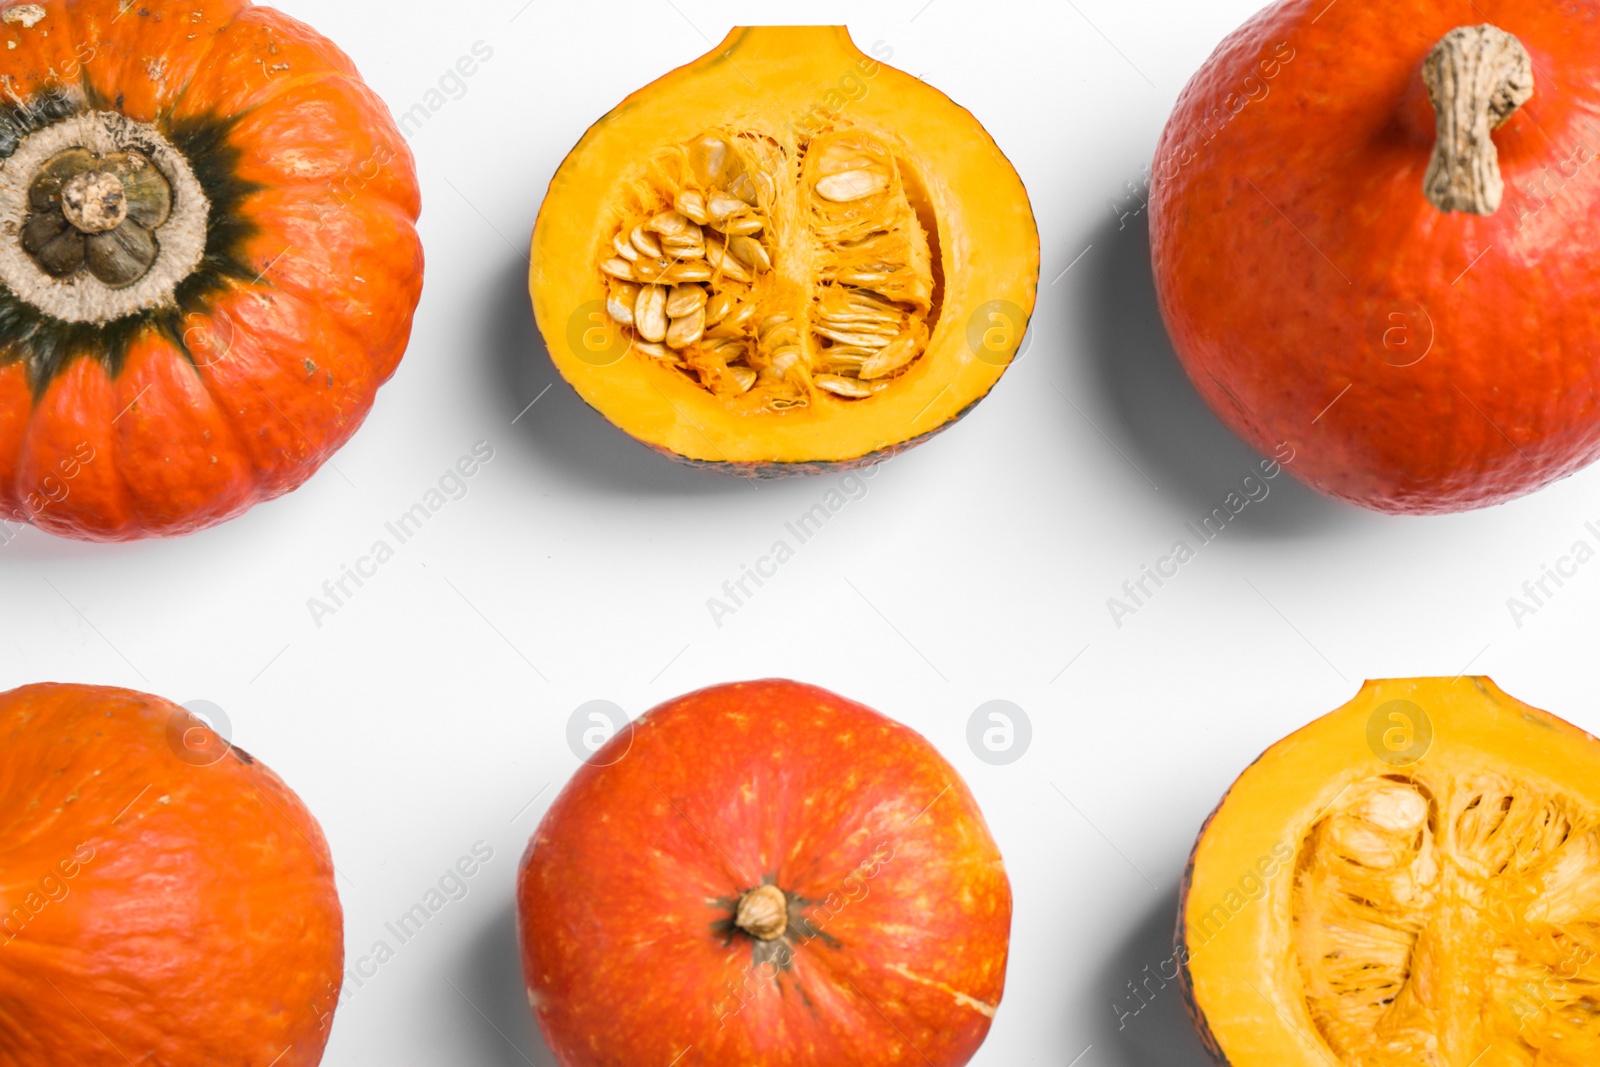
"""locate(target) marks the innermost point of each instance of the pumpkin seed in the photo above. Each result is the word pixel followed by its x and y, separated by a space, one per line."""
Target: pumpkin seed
pixel 748 250
pixel 690 244
pixel 656 351
pixel 745 189
pixel 743 225
pixel 778 331
pixel 865 278
pixel 728 350
pixel 712 159
pixel 842 386
pixel 733 324
pixel 692 205
pixel 865 335
pixel 900 352
pixel 668 223
pixel 722 206
pixel 784 360
pixel 620 302
pixel 724 263
pixel 743 377
pixel 687 329
pixel 851 185
pixel 618 268
pixel 650 313
pixel 684 299
pixel 693 270
pixel 645 242
pixel 625 248
pixel 648 270
pixel 718 306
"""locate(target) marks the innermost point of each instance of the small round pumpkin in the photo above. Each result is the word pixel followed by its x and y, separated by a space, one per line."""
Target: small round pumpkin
pixel 764 873
pixel 1374 239
pixel 208 261
pixel 164 898
pixel 784 257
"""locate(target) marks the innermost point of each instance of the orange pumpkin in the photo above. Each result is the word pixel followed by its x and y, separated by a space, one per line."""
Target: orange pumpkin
pixel 764 873
pixel 164 898
pixel 208 261
pixel 1374 236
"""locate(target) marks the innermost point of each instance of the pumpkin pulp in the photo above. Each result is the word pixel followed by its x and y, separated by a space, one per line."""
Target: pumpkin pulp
pixel 771 266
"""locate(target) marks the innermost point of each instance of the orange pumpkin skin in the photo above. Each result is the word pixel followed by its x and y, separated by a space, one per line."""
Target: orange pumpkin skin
pixel 1418 361
pixel 155 908
pixel 268 356
pixel 898 914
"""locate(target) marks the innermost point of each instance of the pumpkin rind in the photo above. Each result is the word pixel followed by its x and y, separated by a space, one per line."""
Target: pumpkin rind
pixel 163 898
pixel 1239 968
pixel 1418 361
pixel 898 907
pixel 268 356
pixel 812 78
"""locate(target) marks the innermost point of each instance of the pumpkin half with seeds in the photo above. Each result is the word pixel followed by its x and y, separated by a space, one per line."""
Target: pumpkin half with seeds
pixel 784 256
pixel 1413 879
pixel 208 261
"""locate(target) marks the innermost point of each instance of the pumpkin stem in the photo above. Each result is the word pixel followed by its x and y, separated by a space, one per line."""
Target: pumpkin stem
pixel 105 218
pixel 763 913
pixel 1476 77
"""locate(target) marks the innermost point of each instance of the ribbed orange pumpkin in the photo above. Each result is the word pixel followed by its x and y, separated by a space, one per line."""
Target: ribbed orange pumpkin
pixel 164 898
pixel 208 261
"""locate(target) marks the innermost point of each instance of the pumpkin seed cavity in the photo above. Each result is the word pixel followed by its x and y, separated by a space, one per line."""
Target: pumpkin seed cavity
pixel 1452 922
pixel 770 270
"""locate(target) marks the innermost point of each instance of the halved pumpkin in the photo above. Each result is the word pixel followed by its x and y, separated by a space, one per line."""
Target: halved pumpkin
pixel 785 254
pixel 1413 879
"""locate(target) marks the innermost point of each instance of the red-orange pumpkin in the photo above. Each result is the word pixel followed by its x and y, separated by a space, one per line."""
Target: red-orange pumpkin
pixel 208 261
pixel 764 873
pixel 1376 237
pixel 164 898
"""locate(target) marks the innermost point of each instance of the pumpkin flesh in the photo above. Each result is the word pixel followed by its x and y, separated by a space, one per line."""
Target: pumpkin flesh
pixel 1443 911
pixel 853 200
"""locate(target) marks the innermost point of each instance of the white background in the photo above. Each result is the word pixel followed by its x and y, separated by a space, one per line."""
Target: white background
pixel 432 709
